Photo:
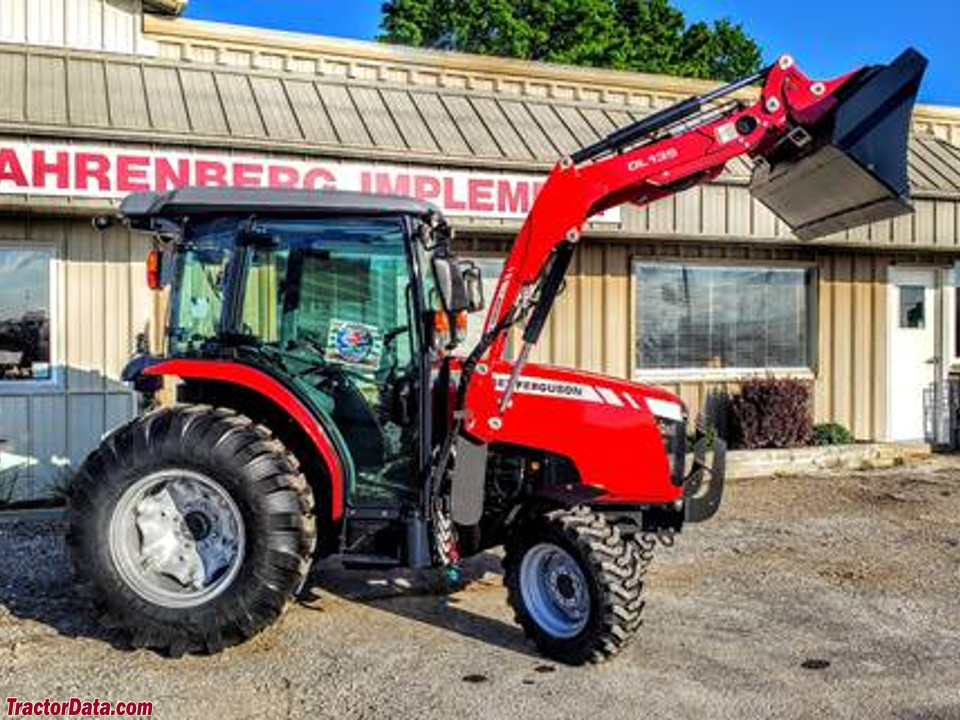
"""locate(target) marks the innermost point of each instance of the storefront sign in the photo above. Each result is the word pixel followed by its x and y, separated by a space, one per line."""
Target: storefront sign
pixel 111 173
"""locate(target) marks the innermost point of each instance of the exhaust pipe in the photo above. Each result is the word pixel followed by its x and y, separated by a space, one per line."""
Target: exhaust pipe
pixel 850 168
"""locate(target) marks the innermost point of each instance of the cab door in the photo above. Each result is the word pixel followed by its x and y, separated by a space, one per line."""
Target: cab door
pixel 343 323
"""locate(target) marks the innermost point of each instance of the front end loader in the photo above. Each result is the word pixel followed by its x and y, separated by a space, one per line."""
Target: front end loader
pixel 324 407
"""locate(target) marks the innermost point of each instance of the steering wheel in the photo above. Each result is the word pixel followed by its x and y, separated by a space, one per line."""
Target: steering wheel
pixel 389 362
pixel 390 336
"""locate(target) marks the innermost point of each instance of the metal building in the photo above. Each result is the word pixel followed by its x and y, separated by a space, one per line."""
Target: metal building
pixel 103 97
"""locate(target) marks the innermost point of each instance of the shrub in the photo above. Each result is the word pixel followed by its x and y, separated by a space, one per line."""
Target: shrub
pixel 831 434
pixel 711 433
pixel 771 413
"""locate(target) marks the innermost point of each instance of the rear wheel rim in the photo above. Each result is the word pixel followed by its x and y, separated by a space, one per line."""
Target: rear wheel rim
pixel 177 538
pixel 554 589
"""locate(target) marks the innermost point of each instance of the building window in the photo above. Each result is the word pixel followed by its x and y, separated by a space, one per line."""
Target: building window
pixel 25 309
pixel 703 317
pixel 912 306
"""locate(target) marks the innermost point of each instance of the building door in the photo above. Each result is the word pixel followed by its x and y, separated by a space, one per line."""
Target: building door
pixel 914 361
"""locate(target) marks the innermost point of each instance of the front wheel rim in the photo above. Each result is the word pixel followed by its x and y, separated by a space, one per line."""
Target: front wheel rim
pixel 177 538
pixel 555 591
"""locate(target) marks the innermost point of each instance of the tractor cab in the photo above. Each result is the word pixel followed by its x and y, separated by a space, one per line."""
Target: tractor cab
pixel 347 301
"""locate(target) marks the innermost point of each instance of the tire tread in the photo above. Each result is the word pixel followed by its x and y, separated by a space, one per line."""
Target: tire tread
pixel 617 564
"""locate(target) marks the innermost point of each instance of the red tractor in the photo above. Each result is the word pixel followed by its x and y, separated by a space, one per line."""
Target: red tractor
pixel 322 410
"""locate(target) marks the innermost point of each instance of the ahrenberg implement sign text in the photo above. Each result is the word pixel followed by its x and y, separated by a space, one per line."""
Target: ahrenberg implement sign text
pixel 92 171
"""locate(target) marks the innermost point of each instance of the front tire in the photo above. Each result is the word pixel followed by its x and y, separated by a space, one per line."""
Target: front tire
pixel 576 585
pixel 193 527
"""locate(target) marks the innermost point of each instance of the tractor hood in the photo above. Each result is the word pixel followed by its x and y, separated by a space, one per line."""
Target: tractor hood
pixel 610 429
pixel 850 168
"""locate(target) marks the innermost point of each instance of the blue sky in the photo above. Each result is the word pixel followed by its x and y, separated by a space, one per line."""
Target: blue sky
pixel 827 38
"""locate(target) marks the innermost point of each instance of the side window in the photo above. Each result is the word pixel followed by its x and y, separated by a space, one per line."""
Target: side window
pixel 25 314
pixel 199 302
pixel 261 312
pixel 196 305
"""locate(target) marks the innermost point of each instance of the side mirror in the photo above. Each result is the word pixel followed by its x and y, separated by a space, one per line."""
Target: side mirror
pixel 473 286
pixel 450 284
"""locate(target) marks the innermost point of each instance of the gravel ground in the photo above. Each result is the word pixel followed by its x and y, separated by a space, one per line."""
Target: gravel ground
pixel 830 596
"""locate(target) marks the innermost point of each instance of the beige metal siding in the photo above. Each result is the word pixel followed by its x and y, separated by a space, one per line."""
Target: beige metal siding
pixel 241 111
pixel 311 114
pixel 377 118
pixel 415 132
pixel 46 98
pixel 110 25
pixel 852 380
pixel 715 213
pixel 87 93
pixel 127 99
pixel 101 306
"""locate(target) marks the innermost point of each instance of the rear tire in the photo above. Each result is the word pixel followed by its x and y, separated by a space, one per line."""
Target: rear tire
pixel 193 527
pixel 576 585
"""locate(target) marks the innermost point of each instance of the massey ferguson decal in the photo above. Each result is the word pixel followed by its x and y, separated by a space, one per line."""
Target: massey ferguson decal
pixel 94 171
pixel 551 388
pixel 545 387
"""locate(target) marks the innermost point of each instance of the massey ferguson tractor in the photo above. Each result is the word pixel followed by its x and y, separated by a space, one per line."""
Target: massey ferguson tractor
pixel 323 408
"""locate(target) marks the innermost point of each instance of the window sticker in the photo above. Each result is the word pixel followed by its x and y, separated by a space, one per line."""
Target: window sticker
pixel 356 344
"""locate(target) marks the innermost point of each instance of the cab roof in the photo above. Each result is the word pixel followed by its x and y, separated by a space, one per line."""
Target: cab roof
pixel 140 209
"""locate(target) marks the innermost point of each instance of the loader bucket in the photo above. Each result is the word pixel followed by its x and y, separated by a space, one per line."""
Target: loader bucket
pixel 850 168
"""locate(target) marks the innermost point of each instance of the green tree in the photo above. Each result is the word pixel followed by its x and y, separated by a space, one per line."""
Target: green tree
pixel 641 35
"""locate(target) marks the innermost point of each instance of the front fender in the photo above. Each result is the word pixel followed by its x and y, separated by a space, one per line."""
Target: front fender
pixel 260 382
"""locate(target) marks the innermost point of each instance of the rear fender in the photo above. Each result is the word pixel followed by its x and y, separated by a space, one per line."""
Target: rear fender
pixel 257 381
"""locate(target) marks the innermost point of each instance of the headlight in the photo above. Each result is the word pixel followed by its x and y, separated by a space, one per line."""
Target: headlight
pixel 672 422
pixel 666 410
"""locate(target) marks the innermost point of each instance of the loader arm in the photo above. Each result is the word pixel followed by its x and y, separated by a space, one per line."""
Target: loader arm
pixel 688 144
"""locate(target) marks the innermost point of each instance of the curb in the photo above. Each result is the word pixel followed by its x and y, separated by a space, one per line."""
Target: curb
pixel 747 464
